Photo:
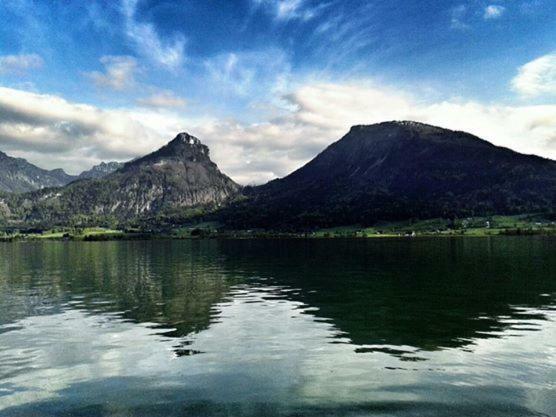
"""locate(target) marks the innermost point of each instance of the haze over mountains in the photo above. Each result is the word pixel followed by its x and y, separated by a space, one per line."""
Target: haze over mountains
pixel 385 171
pixel 18 175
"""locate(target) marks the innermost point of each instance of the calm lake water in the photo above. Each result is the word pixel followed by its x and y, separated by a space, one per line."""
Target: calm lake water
pixel 408 327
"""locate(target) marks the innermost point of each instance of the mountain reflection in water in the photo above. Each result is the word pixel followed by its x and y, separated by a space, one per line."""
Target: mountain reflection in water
pixel 264 327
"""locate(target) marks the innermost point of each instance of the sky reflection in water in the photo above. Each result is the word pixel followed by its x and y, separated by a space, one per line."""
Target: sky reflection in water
pixel 394 327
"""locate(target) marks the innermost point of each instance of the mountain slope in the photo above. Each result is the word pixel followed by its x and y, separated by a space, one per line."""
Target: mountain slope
pixel 401 170
pixel 17 176
pixel 178 176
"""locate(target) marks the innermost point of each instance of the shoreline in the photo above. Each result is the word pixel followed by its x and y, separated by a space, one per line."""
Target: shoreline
pixel 498 225
pixel 260 236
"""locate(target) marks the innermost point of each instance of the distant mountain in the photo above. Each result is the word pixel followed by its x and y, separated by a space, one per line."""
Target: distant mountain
pixel 17 176
pixel 177 177
pixel 100 170
pixel 400 170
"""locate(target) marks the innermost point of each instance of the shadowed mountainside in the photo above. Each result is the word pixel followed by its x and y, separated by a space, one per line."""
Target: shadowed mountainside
pixel 400 170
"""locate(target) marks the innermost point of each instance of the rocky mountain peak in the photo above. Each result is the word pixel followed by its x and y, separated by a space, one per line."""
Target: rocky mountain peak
pixel 183 148
pixel 186 138
pixel 101 170
pixel 58 171
pixel 184 145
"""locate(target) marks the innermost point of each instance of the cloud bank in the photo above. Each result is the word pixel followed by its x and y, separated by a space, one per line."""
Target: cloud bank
pixel 53 132
pixel 323 112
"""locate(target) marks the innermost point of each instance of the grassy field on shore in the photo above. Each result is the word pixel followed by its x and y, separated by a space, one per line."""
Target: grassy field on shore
pixel 472 227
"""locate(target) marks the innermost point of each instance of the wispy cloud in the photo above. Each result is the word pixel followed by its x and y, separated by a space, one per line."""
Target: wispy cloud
pixel 17 64
pixel 493 11
pixel 537 77
pixel 147 41
pixel 119 72
pixel 345 35
pixel 249 74
pixel 162 99
pixel 284 10
pixel 457 17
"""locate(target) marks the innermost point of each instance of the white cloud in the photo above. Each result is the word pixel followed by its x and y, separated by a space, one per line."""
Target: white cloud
pixel 20 63
pixel 493 11
pixel 249 74
pixel 537 77
pixel 147 41
pixel 119 72
pixel 53 132
pixel 162 99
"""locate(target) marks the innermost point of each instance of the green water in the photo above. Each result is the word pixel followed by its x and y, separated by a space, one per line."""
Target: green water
pixel 409 327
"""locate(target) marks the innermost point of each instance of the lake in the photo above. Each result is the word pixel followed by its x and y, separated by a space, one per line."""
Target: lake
pixel 376 327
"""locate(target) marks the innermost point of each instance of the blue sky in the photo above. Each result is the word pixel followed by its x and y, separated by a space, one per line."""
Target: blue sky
pixel 244 74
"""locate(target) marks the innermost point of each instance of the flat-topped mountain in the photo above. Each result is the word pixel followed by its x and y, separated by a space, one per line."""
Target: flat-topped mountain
pixel 401 170
pixel 178 176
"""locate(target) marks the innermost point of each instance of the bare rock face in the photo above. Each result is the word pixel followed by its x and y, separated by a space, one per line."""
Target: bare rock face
pixel 178 176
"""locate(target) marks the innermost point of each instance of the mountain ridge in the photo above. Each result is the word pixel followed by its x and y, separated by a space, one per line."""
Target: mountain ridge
pixel 100 170
pixel 395 170
pixel 17 175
